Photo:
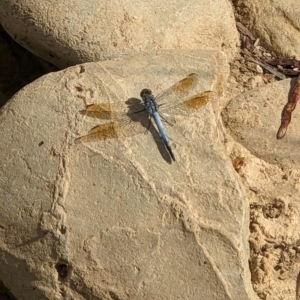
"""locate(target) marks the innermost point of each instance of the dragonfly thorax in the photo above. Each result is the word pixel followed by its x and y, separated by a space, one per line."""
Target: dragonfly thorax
pixel 149 101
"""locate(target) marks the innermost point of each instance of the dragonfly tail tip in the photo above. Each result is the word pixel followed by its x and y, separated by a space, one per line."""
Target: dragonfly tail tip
pixel 171 153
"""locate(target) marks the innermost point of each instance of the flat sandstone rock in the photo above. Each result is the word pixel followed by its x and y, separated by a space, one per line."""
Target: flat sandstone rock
pixel 115 219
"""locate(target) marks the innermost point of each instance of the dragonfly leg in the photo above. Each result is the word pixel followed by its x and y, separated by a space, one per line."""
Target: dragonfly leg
pixel 171 124
pixel 139 111
pixel 149 124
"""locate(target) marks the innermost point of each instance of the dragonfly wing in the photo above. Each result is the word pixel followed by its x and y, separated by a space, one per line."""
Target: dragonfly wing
pixel 196 102
pixel 107 111
pixel 128 125
pixel 175 93
pixel 100 132
pixel 187 107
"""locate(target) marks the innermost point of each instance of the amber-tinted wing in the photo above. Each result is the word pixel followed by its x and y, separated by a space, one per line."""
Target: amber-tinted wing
pixel 107 111
pixel 179 90
pixel 121 124
pixel 100 132
pixel 177 96
pixel 196 102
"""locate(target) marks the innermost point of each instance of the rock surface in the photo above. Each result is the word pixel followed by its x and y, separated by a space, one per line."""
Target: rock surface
pixel 66 33
pixel 275 22
pixel 253 119
pixel 269 170
pixel 115 219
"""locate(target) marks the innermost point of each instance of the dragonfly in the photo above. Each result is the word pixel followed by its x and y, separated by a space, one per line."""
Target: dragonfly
pixel 121 124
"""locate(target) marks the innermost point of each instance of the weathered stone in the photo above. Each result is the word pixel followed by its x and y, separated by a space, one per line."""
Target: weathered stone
pixel 68 32
pixel 115 219
pixel 253 119
pixel 275 22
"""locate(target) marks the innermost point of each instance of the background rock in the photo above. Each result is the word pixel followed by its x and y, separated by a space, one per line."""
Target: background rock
pixel 275 22
pixel 273 192
pixel 66 33
pixel 253 119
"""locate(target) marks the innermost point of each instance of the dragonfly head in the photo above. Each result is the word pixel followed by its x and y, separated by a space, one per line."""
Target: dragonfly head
pixel 145 92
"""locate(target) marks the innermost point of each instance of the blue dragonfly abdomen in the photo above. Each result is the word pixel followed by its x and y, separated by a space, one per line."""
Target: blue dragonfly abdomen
pixel 152 109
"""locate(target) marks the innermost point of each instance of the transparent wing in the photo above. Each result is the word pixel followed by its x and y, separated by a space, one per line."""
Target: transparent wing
pixel 121 124
pixel 175 97
pixel 195 102
pixel 177 92
pixel 105 111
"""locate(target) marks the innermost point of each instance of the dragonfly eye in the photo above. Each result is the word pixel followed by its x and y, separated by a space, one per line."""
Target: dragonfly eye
pixel 145 92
